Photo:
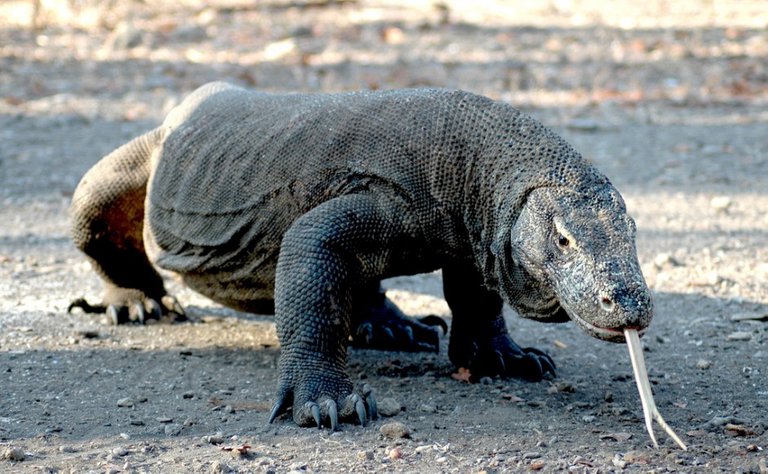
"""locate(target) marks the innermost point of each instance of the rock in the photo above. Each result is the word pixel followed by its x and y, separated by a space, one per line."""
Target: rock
pixel 703 364
pixel 219 467
pixel 124 36
pixel 395 430
pixel 395 453
pixel 739 336
pixel 665 260
pixel 584 124
pixel 721 203
pixel 366 455
pixel 172 429
pixel 761 316
pixel 126 402
pixel 119 452
pixel 531 455
pixel 188 395
pixel 389 407
pixel 14 454
pixel 217 438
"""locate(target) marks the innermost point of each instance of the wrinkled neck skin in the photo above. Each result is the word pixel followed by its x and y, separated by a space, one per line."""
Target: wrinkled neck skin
pixel 526 157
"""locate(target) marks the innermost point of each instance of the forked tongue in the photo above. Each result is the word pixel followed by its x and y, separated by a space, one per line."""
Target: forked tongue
pixel 644 387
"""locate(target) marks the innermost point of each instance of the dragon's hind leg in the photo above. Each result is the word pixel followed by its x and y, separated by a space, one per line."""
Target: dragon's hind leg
pixel 107 222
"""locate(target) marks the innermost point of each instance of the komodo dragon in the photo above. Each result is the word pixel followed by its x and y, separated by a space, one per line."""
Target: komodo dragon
pixel 299 205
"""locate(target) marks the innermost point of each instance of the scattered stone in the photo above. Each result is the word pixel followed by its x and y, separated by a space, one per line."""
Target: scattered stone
pixel 637 457
pixel 172 429
pixel 14 454
pixel 389 407
pixel 588 418
pixel 188 395
pixel 395 453
pixel 704 364
pixel 665 260
pixel 395 430
pixel 537 465
pixel 366 455
pixel 739 430
pixel 119 452
pixel 428 408
pixel 531 455
pixel 721 203
pixel 126 402
pixel 219 467
pixel 750 317
pixel 217 438
pixel 164 419
pixel 124 36
pixel 584 124
pixel 619 461
pixel 619 436
pixel 740 336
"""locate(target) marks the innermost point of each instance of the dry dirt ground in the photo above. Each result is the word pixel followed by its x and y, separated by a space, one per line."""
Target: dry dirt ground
pixel 670 99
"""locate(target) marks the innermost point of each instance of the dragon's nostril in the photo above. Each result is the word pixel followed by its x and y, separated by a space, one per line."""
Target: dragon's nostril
pixel 607 304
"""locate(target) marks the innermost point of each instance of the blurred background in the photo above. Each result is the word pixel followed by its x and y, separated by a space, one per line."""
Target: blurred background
pixel 66 54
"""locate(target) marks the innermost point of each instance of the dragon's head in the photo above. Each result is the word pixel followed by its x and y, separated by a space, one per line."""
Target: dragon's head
pixel 576 252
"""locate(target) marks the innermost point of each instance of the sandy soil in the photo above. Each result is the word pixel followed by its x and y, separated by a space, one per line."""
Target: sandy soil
pixel 669 99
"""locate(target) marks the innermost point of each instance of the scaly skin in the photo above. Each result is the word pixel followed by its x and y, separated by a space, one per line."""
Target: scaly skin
pixel 302 204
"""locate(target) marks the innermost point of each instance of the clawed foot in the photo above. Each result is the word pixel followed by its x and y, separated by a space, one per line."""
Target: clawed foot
pixel 325 400
pixel 384 327
pixel 502 356
pixel 135 310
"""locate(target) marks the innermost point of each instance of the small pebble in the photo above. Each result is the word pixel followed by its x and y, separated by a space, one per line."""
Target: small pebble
pixel 531 455
pixel 428 408
pixel 389 407
pixel 486 380
pixel 172 429
pixel 395 453
pixel 703 364
pixel 217 438
pixel 721 203
pixel 366 455
pixel 119 451
pixel 126 402
pixel 665 260
pixel 14 454
pixel 761 316
pixel 740 336
pixel 395 430
pixel 188 395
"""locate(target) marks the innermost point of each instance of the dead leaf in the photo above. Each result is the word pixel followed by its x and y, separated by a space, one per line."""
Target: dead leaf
pixel 739 430
pixel 242 450
pixel 462 375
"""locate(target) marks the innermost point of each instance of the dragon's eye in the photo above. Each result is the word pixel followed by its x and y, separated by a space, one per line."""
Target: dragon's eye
pixel 563 241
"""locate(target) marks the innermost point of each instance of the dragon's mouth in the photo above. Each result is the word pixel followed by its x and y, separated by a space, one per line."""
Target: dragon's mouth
pixel 606 334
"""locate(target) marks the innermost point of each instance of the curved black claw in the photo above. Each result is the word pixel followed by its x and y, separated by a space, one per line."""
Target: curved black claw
pixel 139 311
pixel 502 356
pixel 370 401
pixel 281 406
pixel 395 333
pixel 87 308
pixel 433 320
pixel 357 406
